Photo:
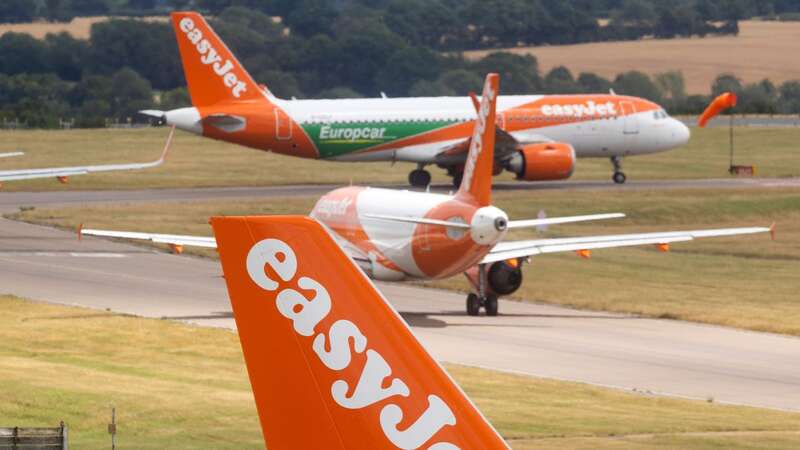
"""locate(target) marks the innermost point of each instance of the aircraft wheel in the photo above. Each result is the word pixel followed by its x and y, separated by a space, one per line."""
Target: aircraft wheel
pixel 457 179
pixel 491 305
pixel 619 177
pixel 473 305
pixel 419 178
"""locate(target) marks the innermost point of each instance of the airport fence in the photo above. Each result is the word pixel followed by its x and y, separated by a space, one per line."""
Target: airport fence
pixel 21 438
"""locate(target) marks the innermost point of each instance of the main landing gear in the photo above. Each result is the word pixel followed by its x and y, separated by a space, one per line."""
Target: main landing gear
pixel 619 176
pixel 419 177
pixel 482 299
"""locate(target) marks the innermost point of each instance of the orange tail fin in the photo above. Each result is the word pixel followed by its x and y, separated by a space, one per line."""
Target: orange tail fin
pixel 331 363
pixel 212 72
pixel 477 180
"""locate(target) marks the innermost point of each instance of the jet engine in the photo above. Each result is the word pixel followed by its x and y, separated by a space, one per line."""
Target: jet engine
pixel 541 162
pixel 504 277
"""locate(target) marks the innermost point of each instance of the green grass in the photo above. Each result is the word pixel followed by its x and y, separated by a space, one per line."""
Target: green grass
pixel 195 161
pixel 181 386
pixel 746 281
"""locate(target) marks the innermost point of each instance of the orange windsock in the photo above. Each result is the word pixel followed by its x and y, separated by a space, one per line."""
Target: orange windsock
pixel 724 101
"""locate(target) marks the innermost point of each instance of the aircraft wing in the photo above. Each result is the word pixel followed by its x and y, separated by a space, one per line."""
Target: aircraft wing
pixel 522 249
pixel 178 241
pixel 505 145
pixel 171 239
pixel 63 172
pixel 11 154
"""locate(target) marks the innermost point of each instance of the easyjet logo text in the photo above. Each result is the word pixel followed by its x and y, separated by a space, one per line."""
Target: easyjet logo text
pixel 330 207
pixel 307 313
pixel 477 137
pixel 210 57
pixel 590 108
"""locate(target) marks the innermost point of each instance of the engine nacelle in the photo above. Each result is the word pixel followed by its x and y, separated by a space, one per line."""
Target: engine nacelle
pixel 504 278
pixel 542 162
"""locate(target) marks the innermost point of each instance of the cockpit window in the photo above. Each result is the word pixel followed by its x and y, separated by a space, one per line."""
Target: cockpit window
pixel 660 114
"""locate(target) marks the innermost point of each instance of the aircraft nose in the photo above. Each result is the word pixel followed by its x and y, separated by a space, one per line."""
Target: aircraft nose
pixel 680 132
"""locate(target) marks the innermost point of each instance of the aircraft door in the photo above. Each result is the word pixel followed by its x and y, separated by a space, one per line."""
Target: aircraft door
pixel 630 124
pixel 283 125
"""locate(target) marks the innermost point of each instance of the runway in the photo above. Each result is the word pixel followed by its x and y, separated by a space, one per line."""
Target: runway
pixel 10 201
pixel 657 356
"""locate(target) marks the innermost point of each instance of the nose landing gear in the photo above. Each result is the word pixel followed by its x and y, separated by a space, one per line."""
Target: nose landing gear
pixel 619 176
pixel 482 299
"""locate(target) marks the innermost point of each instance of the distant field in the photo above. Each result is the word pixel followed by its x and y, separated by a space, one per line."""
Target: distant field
pixel 759 51
pixel 180 386
pixel 746 281
pixel 79 27
pixel 196 161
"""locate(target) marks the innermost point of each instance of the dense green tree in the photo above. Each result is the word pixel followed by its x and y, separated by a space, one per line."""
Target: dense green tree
pixel 405 67
pixel 519 74
pixel 21 53
pixel 137 44
pixel 560 81
pixel 339 92
pixel 13 11
pixel 130 92
pixel 637 84
pixel 66 56
pixel 790 97
pixel 593 83
pixel 726 83
pixel 461 81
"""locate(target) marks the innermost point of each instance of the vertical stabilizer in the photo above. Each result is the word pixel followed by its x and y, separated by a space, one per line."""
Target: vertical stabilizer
pixel 476 183
pixel 212 73
pixel 332 365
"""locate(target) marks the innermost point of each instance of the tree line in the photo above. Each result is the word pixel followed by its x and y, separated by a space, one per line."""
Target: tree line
pixel 127 65
pixel 454 24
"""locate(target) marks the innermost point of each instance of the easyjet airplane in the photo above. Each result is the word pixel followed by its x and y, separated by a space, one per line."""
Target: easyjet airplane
pixel 538 137
pixel 397 235
pixel 62 174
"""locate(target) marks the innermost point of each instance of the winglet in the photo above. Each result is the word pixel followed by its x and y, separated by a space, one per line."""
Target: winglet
pixel 79 230
pixel 325 351
pixel 475 102
pixel 772 231
pixel 476 184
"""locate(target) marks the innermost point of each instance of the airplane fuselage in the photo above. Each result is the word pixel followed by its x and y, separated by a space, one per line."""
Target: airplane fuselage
pixel 397 250
pixel 417 129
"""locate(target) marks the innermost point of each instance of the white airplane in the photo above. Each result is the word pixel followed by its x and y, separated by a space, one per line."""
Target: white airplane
pixel 538 137
pixel 398 235
pixel 62 174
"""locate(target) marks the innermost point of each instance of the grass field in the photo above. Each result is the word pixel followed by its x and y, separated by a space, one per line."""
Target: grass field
pixel 747 281
pixel 79 27
pixel 196 161
pixel 758 52
pixel 179 386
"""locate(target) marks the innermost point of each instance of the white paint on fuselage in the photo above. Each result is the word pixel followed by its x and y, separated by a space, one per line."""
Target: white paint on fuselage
pixel 393 239
pixel 602 137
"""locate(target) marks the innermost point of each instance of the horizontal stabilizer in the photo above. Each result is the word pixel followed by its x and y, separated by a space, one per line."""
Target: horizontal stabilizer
pixel 559 220
pixel 418 220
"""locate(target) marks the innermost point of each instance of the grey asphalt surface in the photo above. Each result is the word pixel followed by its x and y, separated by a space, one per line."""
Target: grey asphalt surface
pixel 10 201
pixel 658 356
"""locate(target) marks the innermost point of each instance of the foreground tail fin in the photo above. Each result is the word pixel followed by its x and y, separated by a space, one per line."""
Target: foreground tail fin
pixel 477 180
pixel 332 365
pixel 212 72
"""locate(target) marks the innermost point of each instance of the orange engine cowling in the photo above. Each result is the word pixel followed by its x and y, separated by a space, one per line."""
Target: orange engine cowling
pixel 541 162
